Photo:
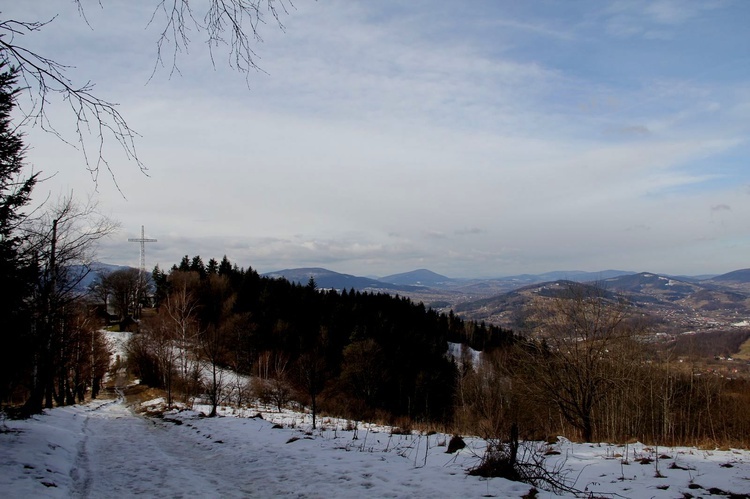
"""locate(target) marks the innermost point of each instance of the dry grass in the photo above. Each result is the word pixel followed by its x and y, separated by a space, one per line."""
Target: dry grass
pixel 136 395
pixel 744 351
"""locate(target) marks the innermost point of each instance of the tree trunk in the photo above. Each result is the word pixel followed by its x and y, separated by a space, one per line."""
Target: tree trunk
pixel 587 428
pixel 513 443
pixel 313 407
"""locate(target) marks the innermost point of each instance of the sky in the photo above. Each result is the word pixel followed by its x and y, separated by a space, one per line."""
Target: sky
pixel 475 139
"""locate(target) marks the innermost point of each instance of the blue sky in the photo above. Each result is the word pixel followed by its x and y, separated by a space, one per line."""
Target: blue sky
pixel 484 138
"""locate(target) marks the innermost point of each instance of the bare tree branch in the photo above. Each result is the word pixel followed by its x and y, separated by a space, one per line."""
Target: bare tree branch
pixel 71 230
pixel 233 23
pixel 46 79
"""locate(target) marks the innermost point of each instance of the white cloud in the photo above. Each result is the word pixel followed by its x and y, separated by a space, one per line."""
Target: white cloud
pixel 654 19
pixel 415 144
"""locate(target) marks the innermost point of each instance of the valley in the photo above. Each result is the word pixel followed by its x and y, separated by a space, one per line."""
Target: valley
pixel 677 311
pixel 670 305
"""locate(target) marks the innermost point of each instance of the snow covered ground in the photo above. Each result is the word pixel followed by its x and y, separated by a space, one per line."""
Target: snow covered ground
pixel 103 449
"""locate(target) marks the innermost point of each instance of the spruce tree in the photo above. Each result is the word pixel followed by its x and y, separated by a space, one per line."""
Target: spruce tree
pixel 225 267
pixel 161 285
pixel 184 264
pixel 213 267
pixel 16 271
pixel 197 266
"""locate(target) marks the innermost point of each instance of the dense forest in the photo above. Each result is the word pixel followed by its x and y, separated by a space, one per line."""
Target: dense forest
pixel 356 353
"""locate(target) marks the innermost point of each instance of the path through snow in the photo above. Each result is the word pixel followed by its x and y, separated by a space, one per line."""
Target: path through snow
pixel 103 449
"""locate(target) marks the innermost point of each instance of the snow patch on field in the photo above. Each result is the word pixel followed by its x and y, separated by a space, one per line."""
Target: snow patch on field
pixel 455 351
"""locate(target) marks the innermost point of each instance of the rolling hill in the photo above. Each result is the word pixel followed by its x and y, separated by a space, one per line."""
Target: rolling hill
pixel 328 279
pixel 671 305
pixel 737 277
pixel 421 277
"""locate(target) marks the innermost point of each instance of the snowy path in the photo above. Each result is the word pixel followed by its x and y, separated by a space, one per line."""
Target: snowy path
pixel 123 454
pixel 103 449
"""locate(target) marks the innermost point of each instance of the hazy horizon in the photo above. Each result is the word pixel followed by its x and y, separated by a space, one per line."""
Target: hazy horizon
pixel 166 267
pixel 484 139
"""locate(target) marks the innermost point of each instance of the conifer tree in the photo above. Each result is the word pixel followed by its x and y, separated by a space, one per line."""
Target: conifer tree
pixel 197 266
pixel 161 285
pixel 15 272
pixel 213 267
pixel 184 264
pixel 225 267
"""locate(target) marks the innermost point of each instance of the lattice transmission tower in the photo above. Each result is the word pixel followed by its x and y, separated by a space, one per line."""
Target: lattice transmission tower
pixel 142 274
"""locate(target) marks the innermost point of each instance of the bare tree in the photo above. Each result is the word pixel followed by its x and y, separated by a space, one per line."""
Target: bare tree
pixel 181 307
pixel 212 350
pixel 272 385
pixel 238 327
pixel 487 399
pixel 62 242
pixel 217 300
pixel 98 291
pixel 311 371
pixel 125 286
pixel 160 336
pixel 363 369
pixel 84 355
pixel 583 348
pixel 235 24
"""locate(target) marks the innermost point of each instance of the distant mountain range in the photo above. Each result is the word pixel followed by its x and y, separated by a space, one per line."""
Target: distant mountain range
pixel 671 304
pixel 679 303
pixel 328 279
pixel 422 279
